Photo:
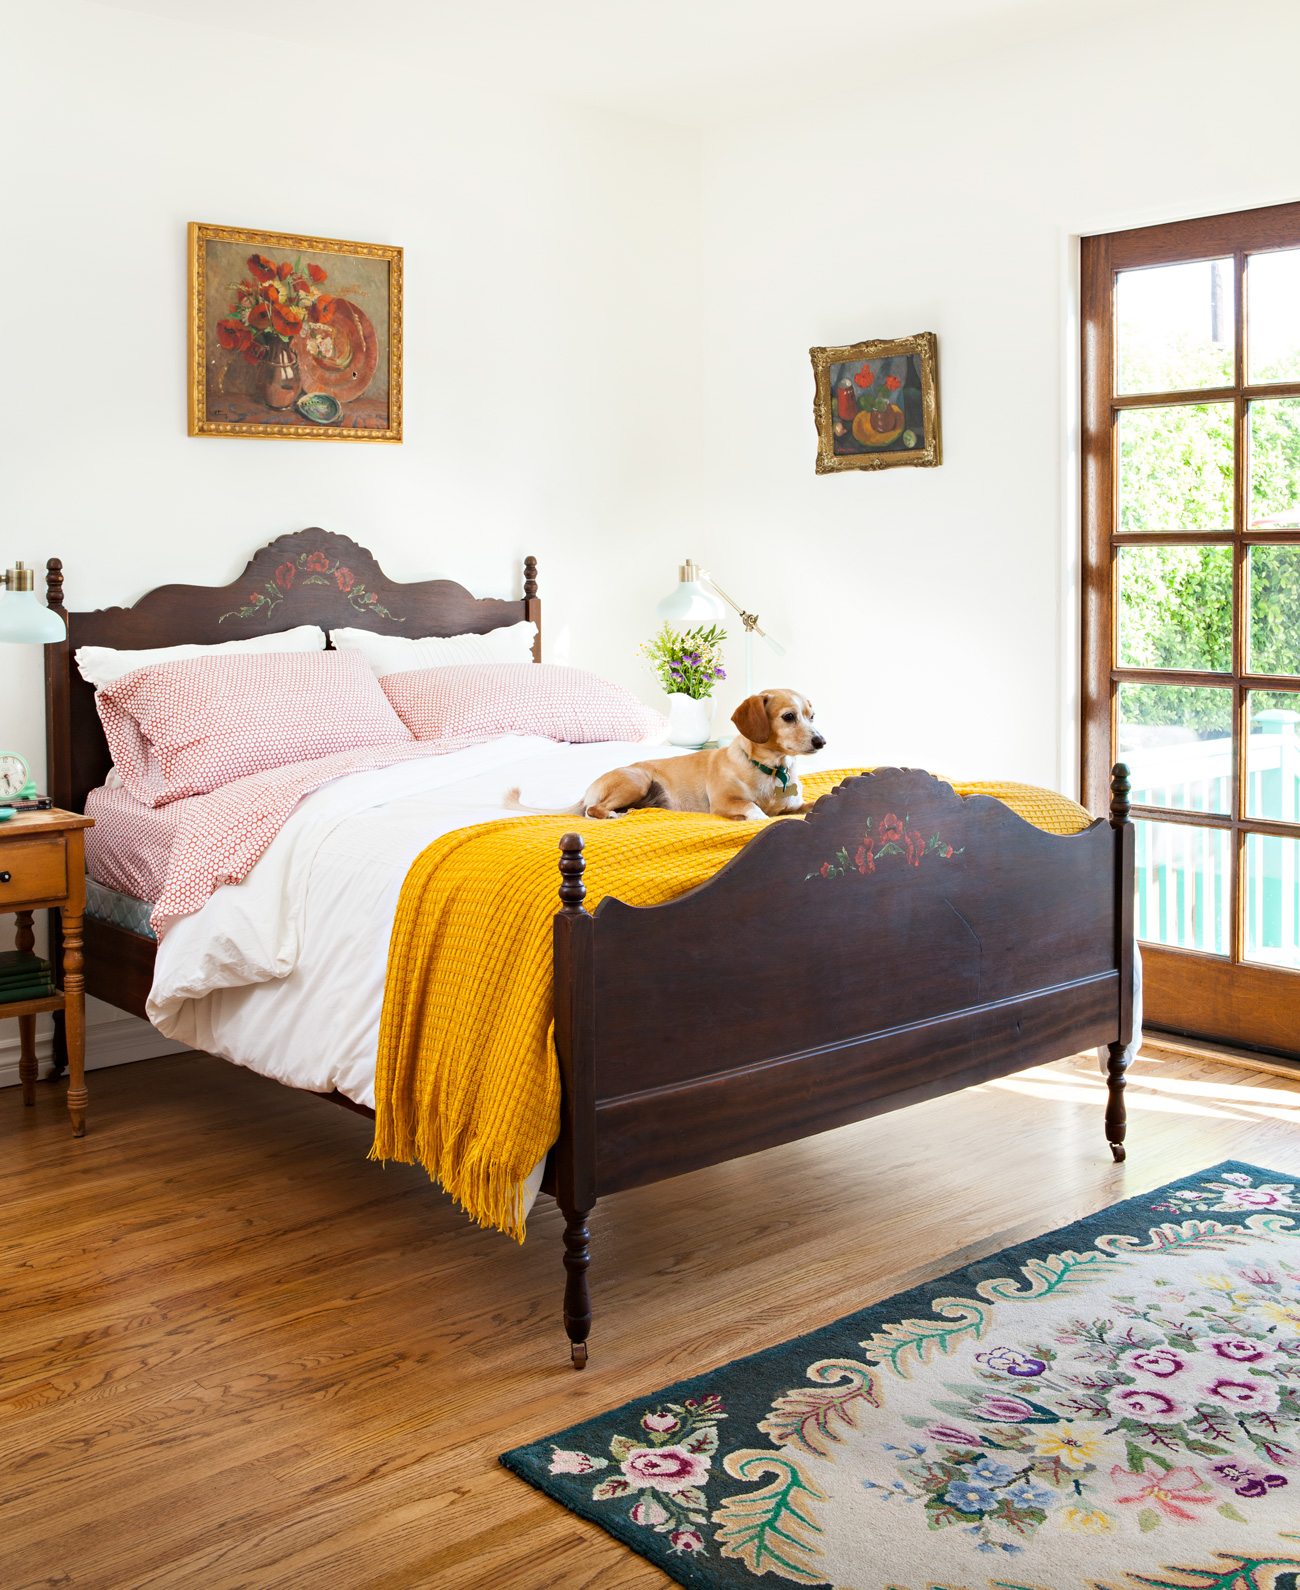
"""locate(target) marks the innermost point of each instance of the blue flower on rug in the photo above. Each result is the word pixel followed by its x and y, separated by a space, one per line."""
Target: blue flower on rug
pixel 1099 1403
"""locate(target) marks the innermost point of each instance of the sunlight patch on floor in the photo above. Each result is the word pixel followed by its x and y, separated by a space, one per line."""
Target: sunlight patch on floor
pixel 1068 1094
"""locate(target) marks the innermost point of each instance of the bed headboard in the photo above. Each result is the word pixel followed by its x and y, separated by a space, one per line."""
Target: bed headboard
pixel 309 577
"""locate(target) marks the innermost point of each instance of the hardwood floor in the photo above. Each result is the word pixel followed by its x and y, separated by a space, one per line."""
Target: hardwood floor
pixel 235 1355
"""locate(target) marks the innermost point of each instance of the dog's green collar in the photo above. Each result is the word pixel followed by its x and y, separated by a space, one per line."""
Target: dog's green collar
pixel 780 774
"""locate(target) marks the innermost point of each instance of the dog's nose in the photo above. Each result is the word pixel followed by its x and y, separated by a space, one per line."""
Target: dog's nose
pixel 818 742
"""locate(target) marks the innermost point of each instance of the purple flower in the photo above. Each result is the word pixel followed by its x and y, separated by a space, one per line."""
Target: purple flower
pixel 719 673
pixel 1246 1479
pixel 1003 1410
pixel 1011 1361
pixel 951 1435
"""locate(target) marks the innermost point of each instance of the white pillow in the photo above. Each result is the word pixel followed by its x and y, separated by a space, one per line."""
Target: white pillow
pixel 395 654
pixel 102 666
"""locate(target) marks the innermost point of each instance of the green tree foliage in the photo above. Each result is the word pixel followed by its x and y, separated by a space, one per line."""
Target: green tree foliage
pixel 1176 474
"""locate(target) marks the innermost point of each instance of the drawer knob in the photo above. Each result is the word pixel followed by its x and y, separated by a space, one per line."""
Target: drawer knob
pixel 5 877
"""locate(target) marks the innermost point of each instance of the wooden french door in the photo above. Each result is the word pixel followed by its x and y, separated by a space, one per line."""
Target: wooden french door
pixel 1191 605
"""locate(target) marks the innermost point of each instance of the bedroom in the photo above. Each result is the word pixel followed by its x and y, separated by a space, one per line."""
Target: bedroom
pixel 301 1368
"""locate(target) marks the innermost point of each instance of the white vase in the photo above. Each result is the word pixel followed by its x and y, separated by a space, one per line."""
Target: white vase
pixel 689 720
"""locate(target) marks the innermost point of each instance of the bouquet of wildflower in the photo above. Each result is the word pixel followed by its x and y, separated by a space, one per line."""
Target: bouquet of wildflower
pixel 687 662
pixel 275 303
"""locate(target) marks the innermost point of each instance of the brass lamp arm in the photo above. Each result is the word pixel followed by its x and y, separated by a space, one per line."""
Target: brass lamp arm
pixel 749 620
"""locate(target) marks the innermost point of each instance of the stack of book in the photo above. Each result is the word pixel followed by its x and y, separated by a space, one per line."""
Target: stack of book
pixel 24 976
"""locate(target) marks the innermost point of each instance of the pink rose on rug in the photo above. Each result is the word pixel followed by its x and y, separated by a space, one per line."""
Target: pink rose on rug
pixel 660 1423
pixel 1272 1195
pixel 1150 1404
pixel 563 1462
pixel 687 1540
pixel 1164 1363
pixel 665 1468
pixel 650 1514
pixel 1245 1394
pixel 1239 1350
pixel 1170 1492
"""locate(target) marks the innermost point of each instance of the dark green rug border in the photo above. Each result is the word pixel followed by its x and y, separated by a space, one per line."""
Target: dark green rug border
pixel 764 1375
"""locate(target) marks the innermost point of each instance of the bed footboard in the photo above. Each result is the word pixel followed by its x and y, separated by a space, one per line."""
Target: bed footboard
pixel 899 944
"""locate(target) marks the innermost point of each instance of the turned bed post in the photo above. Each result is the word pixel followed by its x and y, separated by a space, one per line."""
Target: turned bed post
pixel 58 769
pixel 532 604
pixel 1119 821
pixel 575 1190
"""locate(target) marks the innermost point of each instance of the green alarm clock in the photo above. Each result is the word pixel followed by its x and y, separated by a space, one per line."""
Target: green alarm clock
pixel 15 782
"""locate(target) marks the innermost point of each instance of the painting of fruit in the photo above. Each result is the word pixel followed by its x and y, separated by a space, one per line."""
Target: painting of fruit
pixel 876 404
pixel 279 321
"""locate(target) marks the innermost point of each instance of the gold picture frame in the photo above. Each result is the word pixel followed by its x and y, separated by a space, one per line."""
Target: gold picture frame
pixel 294 337
pixel 876 404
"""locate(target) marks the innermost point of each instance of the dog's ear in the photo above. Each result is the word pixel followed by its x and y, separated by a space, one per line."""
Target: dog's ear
pixel 750 718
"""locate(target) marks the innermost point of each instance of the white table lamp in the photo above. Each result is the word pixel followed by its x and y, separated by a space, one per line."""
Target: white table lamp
pixel 23 619
pixel 692 604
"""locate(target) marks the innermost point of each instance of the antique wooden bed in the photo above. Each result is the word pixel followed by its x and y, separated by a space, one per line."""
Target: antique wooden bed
pixel 792 993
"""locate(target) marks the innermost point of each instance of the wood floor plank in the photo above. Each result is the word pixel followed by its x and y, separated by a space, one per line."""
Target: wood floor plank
pixel 243 1357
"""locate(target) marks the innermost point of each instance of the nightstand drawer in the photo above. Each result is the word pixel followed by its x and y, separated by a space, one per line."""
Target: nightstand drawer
pixel 33 869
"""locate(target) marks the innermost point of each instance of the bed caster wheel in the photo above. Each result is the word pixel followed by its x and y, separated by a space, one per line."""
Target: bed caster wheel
pixel 578 1352
pixel 1117 1149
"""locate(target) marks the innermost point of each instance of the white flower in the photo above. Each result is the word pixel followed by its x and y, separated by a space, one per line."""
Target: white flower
pixel 563 1462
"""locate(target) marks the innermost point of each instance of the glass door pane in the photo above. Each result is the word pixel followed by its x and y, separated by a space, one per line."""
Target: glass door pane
pixel 1272 901
pixel 1175 468
pixel 1273 755
pixel 1273 340
pixel 1175 607
pixel 1273 603
pixel 1184 885
pixel 1177 742
pixel 1174 325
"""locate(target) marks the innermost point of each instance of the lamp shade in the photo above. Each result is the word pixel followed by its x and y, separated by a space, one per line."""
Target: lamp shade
pixel 26 620
pixel 689 606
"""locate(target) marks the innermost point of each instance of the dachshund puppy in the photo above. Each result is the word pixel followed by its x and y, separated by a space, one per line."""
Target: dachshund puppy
pixel 751 777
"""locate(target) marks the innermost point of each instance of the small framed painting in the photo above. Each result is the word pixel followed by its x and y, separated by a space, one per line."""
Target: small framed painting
pixel 877 404
pixel 295 337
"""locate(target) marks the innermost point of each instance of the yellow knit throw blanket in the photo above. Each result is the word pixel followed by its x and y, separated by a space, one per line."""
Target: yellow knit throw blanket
pixel 467 1082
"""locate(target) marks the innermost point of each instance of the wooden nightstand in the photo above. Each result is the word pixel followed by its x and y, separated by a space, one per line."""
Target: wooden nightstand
pixel 42 863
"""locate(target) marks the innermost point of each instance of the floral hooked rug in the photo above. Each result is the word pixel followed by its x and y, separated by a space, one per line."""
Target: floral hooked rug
pixel 1115 1404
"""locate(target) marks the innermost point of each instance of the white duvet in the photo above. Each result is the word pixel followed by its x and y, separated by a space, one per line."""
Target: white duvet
pixel 284 972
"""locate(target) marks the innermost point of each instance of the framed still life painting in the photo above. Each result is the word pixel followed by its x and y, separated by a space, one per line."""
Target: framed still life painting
pixel 877 404
pixel 294 337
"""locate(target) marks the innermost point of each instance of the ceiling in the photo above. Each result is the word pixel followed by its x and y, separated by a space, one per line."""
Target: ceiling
pixel 694 62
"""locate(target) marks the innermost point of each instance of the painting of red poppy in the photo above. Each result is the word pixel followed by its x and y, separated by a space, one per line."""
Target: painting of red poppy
pixel 294 337
pixel 876 404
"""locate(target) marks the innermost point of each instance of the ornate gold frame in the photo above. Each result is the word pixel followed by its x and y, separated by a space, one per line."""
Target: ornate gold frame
pixel 200 425
pixel 926 348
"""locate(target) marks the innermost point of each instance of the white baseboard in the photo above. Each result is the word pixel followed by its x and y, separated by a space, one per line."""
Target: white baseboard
pixel 108 1043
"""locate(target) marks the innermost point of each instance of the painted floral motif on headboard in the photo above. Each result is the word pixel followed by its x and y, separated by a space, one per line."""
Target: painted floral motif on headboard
pixel 894 837
pixel 310 568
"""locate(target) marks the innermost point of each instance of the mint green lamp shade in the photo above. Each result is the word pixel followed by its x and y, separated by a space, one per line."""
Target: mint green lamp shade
pixel 690 605
pixel 23 619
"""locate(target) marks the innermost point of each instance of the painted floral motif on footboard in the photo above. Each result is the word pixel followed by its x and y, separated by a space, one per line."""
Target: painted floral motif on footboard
pixel 1115 1406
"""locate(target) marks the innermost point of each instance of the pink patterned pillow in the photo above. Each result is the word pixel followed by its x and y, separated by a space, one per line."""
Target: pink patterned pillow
pixel 190 727
pixel 464 705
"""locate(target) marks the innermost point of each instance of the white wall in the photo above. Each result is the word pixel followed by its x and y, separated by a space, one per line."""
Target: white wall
pixel 924 609
pixel 552 324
